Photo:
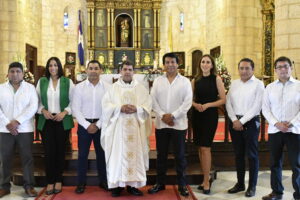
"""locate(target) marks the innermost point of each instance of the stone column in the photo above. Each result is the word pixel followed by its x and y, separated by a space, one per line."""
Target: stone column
pixel 8 35
pixel 287 32
pixel 242 34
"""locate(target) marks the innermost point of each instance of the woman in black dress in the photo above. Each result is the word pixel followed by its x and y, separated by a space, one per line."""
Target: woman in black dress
pixel 209 93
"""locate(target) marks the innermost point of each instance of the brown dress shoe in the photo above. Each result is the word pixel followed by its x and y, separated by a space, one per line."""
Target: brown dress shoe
pixel 4 192
pixel 31 192
pixel 272 196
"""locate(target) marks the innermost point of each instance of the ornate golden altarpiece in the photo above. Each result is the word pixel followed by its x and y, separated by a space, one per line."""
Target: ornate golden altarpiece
pixel 124 29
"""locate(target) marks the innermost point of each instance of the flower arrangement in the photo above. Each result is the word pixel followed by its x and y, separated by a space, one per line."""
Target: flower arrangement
pixel 28 76
pixel 223 72
pixel 151 74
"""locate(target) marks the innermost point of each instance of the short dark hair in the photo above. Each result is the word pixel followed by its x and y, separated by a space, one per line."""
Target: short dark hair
pixel 15 65
pixel 127 62
pixel 282 59
pixel 170 55
pixel 60 72
pixel 95 62
pixel 248 60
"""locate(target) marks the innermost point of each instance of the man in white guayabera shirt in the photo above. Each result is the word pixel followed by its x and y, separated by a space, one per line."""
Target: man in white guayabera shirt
pixel 281 107
pixel 18 105
pixel 172 97
pixel 243 106
pixel 125 130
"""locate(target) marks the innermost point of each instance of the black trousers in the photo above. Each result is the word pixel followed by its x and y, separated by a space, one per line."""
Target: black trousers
pixel 54 139
pixel 163 138
pixel 292 142
pixel 245 143
pixel 7 146
pixel 84 142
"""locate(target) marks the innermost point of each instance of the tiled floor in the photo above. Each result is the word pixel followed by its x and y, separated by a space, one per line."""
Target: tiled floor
pixel 225 180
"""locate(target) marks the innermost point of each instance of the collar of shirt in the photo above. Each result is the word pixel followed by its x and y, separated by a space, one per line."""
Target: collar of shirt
pixel 250 80
pixel 291 80
pixel 88 83
pixel 177 76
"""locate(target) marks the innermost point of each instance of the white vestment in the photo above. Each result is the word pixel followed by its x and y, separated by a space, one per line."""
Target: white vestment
pixel 124 137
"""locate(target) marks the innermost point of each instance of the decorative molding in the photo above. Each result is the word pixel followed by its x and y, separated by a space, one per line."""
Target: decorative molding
pixel 128 4
pixel 268 10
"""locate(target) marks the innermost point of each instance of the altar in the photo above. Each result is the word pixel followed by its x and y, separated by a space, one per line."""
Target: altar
pixel 124 30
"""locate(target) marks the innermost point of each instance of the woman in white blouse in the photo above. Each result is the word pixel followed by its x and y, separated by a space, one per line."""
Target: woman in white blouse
pixel 55 120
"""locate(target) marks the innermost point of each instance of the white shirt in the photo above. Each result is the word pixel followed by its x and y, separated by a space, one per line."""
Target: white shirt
pixel 86 102
pixel 281 103
pixel 20 105
pixel 245 99
pixel 175 98
pixel 53 97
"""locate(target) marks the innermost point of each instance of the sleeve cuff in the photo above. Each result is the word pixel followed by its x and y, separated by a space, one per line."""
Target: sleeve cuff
pixel 98 124
pixel 175 114
pixel 85 124
pixel 68 109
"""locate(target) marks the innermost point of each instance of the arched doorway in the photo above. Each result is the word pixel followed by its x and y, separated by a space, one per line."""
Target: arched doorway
pixel 196 56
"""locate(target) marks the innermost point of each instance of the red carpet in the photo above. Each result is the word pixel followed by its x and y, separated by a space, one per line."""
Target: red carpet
pixel 95 193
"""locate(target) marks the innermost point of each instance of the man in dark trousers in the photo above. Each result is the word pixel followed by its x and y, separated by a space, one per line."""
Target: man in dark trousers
pixel 86 107
pixel 243 105
pixel 281 107
pixel 172 98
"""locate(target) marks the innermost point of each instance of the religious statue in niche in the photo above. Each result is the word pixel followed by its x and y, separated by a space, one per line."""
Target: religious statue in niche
pixel 100 18
pixel 124 31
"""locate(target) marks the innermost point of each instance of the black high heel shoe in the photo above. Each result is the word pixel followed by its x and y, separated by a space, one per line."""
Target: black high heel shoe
pixel 208 190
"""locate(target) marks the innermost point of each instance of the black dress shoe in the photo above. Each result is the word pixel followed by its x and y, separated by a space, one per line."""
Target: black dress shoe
pixel 103 185
pixel 272 196
pixel 80 189
pixel 236 188
pixel 134 191
pixel 156 188
pixel 250 192
pixel 116 192
pixel 183 190
pixel 200 187
pixel 49 192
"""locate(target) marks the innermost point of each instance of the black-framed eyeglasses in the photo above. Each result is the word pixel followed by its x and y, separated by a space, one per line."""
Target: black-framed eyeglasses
pixel 282 66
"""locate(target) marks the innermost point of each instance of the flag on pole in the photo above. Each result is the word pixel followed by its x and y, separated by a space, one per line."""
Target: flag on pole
pixel 80 41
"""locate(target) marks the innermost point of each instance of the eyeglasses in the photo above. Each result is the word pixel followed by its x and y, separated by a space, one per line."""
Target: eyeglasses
pixel 282 66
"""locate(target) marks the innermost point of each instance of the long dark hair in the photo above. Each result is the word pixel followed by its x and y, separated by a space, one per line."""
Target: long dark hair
pixel 60 72
pixel 213 70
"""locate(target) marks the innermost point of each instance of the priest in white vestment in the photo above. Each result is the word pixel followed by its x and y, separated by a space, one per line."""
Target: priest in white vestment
pixel 126 127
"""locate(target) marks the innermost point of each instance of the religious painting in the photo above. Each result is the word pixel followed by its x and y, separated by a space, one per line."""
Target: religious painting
pixel 122 55
pixel 124 31
pixel 147 39
pixel 215 52
pixel 147 58
pixel 70 58
pixel 100 18
pixel 181 57
pixel 102 57
pixel 147 19
pixel 100 38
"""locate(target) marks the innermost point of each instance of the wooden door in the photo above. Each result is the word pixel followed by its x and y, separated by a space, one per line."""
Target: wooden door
pixel 196 56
